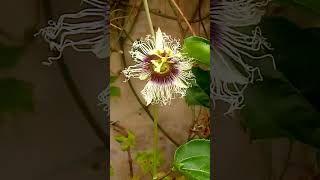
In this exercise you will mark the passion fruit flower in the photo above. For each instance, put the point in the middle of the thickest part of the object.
(158, 60)
(233, 50)
(84, 31)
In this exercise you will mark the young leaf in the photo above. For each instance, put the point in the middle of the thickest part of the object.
(193, 159)
(113, 78)
(145, 160)
(115, 91)
(126, 142)
(111, 171)
(197, 48)
(135, 178)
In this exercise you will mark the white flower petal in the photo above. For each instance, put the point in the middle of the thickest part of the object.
(159, 39)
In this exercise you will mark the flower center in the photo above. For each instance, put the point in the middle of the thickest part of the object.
(161, 65)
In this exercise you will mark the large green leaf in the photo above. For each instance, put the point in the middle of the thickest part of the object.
(203, 79)
(197, 48)
(15, 95)
(193, 159)
(309, 4)
(126, 142)
(199, 93)
(286, 103)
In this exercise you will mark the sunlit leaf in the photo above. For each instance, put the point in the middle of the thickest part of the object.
(111, 171)
(197, 48)
(193, 159)
(115, 91)
(135, 178)
(145, 160)
(126, 141)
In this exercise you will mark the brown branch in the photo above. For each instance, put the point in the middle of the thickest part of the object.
(183, 16)
(124, 132)
(201, 22)
(158, 13)
(166, 175)
(194, 15)
(178, 18)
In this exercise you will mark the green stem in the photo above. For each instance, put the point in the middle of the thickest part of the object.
(146, 7)
(155, 141)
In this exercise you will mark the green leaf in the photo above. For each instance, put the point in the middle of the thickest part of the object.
(193, 159)
(126, 142)
(115, 91)
(9, 56)
(199, 93)
(270, 104)
(197, 48)
(111, 171)
(113, 78)
(313, 5)
(196, 96)
(287, 102)
(203, 79)
(145, 160)
(15, 95)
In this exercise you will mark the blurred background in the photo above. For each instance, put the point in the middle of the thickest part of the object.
(44, 133)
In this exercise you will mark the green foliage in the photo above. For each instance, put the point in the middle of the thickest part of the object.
(196, 96)
(15, 95)
(197, 48)
(111, 171)
(126, 141)
(199, 94)
(313, 5)
(287, 102)
(145, 160)
(161, 174)
(9, 56)
(193, 159)
(203, 79)
(113, 78)
(115, 91)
